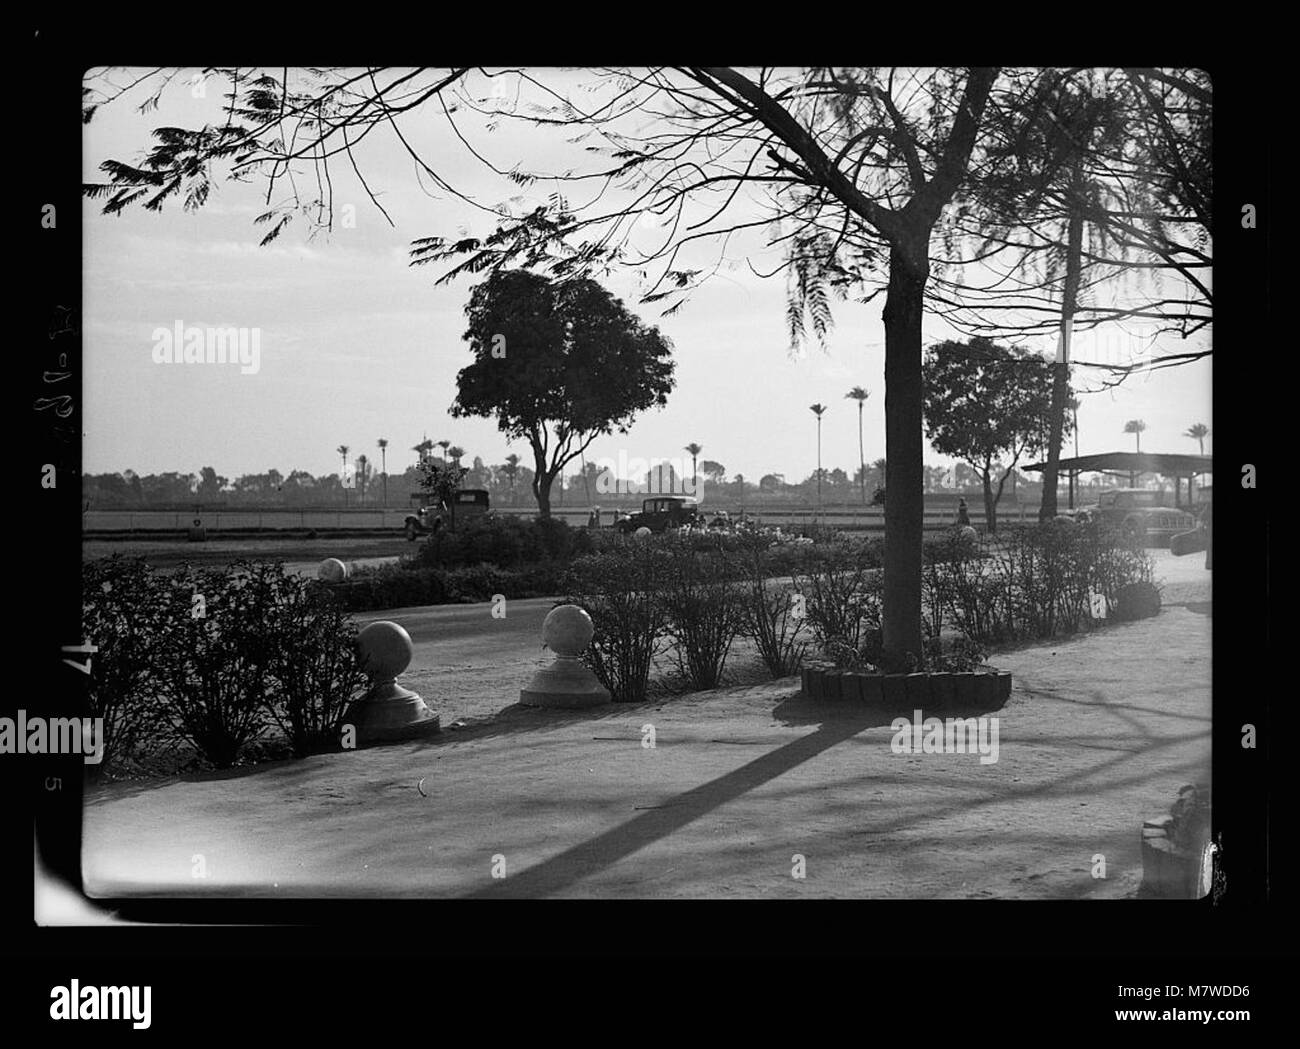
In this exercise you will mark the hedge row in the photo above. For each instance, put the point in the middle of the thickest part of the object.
(213, 658)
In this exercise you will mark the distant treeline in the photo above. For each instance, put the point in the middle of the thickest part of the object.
(508, 485)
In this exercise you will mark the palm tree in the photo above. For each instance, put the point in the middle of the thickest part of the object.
(343, 451)
(444, 445)
(1135, 427)
(383, 465)
(455, 454)
(362, 463)
(1198, 432)
(695, 450)
(860, 395)
(819, 410)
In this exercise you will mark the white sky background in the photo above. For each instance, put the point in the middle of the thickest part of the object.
(356, 344)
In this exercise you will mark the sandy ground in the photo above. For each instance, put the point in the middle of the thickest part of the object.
(1099, 734)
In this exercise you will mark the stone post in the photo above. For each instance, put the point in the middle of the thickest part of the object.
(388, 711)
(566, 683)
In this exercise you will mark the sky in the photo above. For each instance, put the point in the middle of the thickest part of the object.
(355, 344)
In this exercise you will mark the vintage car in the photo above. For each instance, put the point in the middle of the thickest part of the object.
(430, 516)
(663, 512)
(1142, 514)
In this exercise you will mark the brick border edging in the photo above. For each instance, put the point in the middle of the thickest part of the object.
(932, 690)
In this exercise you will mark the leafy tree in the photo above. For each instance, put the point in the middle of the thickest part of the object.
(479, 474)
(578, 365)
(713, 471)
(441, 481)
(168, 488)
(983, 402)
(211, 484)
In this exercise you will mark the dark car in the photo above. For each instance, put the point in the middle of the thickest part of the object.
(1142, 514)
(431, 516)
(663, 512)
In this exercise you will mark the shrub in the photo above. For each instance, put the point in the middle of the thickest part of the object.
(503, 541)
(702, 613)
(768, 619)
(962, 656)
(621, 595)
(120, 617)
(213, 669)
(1137, 601)
(311, 657)
(1034, 581)
(399, 586)
(840, 601)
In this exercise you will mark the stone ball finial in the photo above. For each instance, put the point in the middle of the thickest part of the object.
(567, 631)
(332, 570)
(385, 649)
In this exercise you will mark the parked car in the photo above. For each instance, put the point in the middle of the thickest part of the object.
(1145, 515)
(663, 512)
(430, 516)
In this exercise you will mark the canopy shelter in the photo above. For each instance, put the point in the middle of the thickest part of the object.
(1134, 463)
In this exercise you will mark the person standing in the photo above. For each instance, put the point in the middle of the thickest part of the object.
(963, 514)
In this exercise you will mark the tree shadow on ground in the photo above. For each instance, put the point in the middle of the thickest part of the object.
(562, 870)
(837, 722)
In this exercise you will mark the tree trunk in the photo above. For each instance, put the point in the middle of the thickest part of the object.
(542, 481)
(990, 506)
(1061, 369)
(905, 502)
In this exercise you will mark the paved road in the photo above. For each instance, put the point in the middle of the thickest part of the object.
(468, 634)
